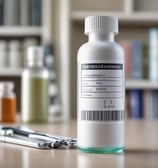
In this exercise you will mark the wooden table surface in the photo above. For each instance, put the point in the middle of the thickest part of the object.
(141, 150)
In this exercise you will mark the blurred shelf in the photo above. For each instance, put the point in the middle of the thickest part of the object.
(134, 17)
(16, 72)
(141, 84)
(20, 31)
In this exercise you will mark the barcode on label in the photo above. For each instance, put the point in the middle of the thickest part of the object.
(115, 115)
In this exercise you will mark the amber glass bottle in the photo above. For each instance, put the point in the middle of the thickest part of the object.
(7, 102)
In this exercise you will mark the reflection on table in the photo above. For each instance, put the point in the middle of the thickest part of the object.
(141, 150)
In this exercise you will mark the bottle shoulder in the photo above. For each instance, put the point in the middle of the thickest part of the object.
(7, 94)
(36, 72)
(100, 50)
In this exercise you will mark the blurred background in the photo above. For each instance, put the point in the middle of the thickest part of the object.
(58, 25)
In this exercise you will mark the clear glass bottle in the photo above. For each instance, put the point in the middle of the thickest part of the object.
(7, 102)
(35, 81)
(101, 88)
(55, 113)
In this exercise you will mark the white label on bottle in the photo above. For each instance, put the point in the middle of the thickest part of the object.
(101, 92)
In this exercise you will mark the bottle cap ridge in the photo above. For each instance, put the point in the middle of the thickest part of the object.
(101, 24)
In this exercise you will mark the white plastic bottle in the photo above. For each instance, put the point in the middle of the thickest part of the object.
(101, 88)
(14, 54)
(3, 54)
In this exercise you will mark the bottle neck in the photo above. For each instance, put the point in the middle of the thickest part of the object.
(93, 36)
(7, 93)
(36, 63)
